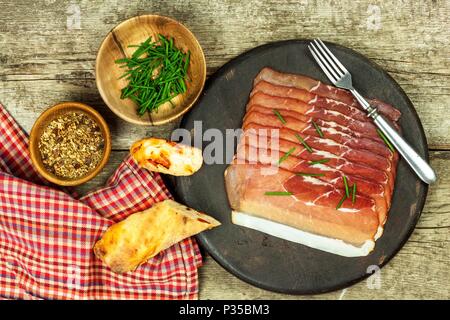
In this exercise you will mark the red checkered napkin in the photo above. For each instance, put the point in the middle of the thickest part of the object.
(46, 235)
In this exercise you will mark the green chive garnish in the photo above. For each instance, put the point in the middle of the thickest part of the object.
(354, 193)
(278, 193)
(156, 73)
(286, 155)
(307, 147)
(319, 161)
(347, 191)
(310, 174)
(319, 132)
(279, 116)
(341, 202)
(386, 141)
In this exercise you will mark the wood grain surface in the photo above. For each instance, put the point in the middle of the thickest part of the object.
(47, 55)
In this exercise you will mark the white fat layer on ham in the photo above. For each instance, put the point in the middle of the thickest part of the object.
(338, 114)
(379, 233)
(315, 87)
(313, 180)
(336, 102)
(326, 154)
(323, 167)
(330, 142)
(313, 100)
(334, 131)
(324, 195)
(333, 124)
(311, 240)
(334, 113)
(348, 210)
(329, 155)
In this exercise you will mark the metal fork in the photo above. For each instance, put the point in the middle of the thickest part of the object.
(341, 78)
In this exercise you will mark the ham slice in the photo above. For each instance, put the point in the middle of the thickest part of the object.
(306, 112)
(309, 98)
(329, 173)
(332, 132)
(321, 149)
(278, 153)
(311, 207)
(318, 88)
(255, 147)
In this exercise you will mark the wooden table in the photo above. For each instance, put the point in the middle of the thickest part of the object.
(47, 55)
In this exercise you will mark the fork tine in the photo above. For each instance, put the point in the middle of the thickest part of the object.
(319, 62)
(335, 74)
(333, 56)
(326, 56)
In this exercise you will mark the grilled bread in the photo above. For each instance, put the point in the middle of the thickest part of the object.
(131, 242)
(167, 157)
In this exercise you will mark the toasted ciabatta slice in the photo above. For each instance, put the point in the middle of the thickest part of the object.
(167, 157)
(141, 236)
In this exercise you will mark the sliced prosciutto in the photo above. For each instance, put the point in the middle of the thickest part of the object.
(321, 148)
(309, 98)
(311, 167)
(339, 135)
(316, 87)
(306, 112)
(311, 207)
(330, 173)
(300, 159)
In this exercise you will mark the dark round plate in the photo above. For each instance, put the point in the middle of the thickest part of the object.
(265, 261)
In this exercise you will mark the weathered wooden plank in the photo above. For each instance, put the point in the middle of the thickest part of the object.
(420, 270)
(407, 39)
(405, 36)
(27, 99)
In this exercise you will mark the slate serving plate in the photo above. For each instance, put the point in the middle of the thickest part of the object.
(265, 261)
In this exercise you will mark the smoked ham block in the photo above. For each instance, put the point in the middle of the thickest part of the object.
(311, 167)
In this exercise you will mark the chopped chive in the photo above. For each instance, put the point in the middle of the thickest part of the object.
(386, 141)
(156, 72)
(354, 193)
(347, 191)
(321, 161)
(286, 155)
(319, 132)
(309, 174)
(341, 202)
(307, 147)
(278, 193)
(279, 116)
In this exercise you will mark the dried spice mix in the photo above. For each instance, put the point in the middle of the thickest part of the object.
(71, 145)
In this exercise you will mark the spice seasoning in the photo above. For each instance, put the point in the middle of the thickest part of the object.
(71, 145)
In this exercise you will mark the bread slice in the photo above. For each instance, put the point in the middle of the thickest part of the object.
(141, 236)
(167, 157)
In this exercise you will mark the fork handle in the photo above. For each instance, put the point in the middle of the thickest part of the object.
(416, 162)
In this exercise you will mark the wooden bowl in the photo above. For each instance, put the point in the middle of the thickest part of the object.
(115, 46)
(42, 122)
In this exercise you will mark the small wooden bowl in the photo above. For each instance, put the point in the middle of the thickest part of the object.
(42, 122)
(115, 46)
